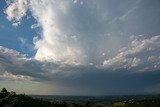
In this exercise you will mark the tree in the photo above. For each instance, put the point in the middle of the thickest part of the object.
(4, 91)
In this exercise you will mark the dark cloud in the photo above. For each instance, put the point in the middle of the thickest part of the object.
(88, 47)
(82, 80)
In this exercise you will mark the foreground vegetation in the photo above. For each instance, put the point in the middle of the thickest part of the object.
(11, 99)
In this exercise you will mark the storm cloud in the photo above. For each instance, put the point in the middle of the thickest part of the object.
(87, 47)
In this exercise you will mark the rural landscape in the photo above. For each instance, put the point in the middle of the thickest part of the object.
(11, 99)
(80, 53)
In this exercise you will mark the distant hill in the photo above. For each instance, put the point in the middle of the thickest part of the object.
(11, 99)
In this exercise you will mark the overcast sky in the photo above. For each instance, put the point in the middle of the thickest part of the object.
(80, 47)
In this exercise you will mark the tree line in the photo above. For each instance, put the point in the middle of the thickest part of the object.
(11, 99)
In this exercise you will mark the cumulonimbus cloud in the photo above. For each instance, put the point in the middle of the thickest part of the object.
(56, 45)
(53, 44)
(81, 47)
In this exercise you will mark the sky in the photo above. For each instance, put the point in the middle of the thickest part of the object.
(80, 47)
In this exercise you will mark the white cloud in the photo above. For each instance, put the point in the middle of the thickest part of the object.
(54, 45)
(65, 78)
(16, 11)
(14, 56)
(58, 46)
(72, 44)
(25, 44)
(75, 1)
(14, 65)
(18, 65)
(78, 1)
(127, 55)
(35, 26)
(152, 58)
(9, 76)
(15, 24)
(135, 62)
(154, 62)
